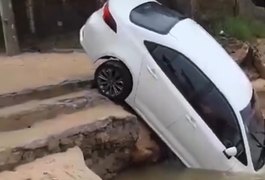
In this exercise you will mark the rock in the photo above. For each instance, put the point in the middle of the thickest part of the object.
(240, 54)
(251, 72)
(259, 85)
(259, 53)
(239, 50)
(16, 156)
(62, 166)
(147, 149)
(28, 156)
(251, 58)
(53, 145)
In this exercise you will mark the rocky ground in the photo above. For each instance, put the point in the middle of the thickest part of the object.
(250, 56)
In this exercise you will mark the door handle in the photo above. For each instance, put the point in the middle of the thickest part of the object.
(191, 121)
(152, 72)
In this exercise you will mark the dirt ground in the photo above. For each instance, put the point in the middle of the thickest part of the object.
(62, 166)
(31, 70)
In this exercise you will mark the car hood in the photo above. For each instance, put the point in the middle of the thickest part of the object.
(203, 50)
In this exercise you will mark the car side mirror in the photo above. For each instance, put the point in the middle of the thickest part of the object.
(230, 152)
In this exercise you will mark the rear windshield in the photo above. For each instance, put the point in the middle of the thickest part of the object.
(155, 17)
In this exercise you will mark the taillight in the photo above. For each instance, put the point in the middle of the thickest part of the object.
(108, 18)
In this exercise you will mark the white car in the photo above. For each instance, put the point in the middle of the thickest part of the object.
(180, 81)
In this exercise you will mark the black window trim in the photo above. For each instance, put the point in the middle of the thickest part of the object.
(212, 84)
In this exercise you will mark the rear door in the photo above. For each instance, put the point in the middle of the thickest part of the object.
(200, 123)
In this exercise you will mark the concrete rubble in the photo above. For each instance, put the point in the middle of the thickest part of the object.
(57, 111)
(69, 165)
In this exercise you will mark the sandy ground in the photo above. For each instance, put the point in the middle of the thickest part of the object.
(60, 125)
(31, 70)
(62, 166)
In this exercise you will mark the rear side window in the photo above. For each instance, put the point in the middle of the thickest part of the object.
(155, 17)
(202, 94)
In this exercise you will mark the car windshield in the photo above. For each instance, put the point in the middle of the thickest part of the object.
(155, 17)
(255, 130)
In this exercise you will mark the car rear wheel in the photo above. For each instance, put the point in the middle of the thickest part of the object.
(114, 80)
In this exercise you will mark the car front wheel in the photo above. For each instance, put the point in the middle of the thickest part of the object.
(114, 80)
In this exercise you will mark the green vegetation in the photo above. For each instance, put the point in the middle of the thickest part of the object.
(243, 29)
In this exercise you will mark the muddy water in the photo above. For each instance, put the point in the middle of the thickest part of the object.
(171, 171)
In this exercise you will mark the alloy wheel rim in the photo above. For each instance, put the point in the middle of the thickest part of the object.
(110, 82)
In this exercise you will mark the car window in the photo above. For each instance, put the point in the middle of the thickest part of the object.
(255, 127)
(155, 17)
(202, 94)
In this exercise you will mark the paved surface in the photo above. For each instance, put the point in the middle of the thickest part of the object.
(31, 70)
(62, 166)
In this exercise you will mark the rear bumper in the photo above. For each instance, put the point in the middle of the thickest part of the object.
(96, 37)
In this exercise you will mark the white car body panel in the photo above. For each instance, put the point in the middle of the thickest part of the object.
(210, 61)
(173, 122)
(156, 99)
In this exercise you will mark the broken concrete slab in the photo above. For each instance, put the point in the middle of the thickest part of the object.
(106, 134)
(42, 92)
(26, 114)
(69, 165)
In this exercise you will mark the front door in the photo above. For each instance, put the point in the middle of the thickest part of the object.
(157, 101)
(187, 110)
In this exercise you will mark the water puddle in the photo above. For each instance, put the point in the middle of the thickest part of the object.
(172, 171)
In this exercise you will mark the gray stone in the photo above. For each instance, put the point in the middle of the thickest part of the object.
(28, 156)
(259, 53)
(53, 145)
(66, 141)
(15, 157)
(78, 141)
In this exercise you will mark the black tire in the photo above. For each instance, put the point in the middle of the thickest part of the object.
(114, 80)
